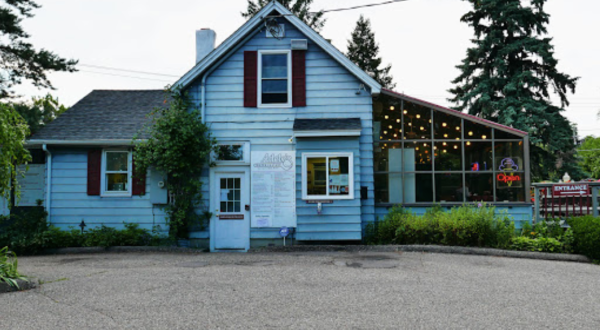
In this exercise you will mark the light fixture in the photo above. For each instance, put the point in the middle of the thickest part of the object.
(398, 121)
(458, 128)
(445, 135)
(395, 135)
(444, 143)
(384, 132)
(470, 133)
(484, 137)
(444, 124)
(455, 147)
(422, 128)
(385, 144)
(424, 144)
(418, 116)
(400, 131)
(387, 117)
(405, 112)
(409, 124)
(434, 147)
(381, 137)
(392, 108)
(444, 150)
(457, 139)
(390, 127)
(430, 121)
(468, 143)
(422, 137)
(417, 148)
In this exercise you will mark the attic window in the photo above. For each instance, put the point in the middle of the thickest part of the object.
(274, 78)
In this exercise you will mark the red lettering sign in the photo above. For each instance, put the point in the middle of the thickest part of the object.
(508, 178)
(571, 189)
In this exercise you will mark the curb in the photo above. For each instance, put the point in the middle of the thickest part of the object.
(121, 249)
(429, 249)
(23, 285)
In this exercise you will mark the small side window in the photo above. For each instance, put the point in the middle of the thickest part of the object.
(116, 173)
(232, 153)
(274, 78)
(327, 176)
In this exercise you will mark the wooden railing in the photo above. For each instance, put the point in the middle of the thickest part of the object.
(558, 200)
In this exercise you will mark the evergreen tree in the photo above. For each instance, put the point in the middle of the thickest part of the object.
(18, 59)
(363, 51)
(39, 112)
(300, 8)
(506, 78)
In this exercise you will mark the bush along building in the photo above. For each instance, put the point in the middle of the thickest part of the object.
(307, 140)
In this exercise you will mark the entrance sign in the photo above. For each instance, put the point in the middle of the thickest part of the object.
(32, 185)
(273, 189)
(572, 189)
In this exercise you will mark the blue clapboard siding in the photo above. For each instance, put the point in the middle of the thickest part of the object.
(70, 203)
(519, 214)
(331, 93)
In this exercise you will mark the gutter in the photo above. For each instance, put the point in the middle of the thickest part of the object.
(48, 180)
(83, 142)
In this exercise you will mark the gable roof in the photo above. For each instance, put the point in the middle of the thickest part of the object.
(102, 115)
(250, 27)
(455, 113)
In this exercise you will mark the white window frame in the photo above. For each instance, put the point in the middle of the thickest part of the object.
(289, 78)
(104, 192)
(327, 155)
(244, 161)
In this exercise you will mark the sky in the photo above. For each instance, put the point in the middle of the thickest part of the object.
(423, 40)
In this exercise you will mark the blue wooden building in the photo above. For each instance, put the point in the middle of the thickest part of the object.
(309, 141)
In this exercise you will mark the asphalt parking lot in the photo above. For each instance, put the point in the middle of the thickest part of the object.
(319, 290)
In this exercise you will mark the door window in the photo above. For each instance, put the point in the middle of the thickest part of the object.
(230, 195)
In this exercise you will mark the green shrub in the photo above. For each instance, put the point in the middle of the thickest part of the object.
(57, 238)
(8, 268)
(23, 232)
(586, 233)
(541, 244)
(461, 226)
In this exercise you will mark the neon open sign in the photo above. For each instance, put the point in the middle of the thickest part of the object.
(508, 166)
(508, 178)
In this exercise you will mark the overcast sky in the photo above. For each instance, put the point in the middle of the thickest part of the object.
(422, 39)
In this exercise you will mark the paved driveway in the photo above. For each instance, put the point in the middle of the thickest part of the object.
(303, 291)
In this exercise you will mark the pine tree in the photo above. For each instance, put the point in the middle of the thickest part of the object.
(363, 51)
(18, 59)
(506, 78)
(300, 8)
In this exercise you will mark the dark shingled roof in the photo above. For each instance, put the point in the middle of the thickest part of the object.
(104, 115)
(327, 124)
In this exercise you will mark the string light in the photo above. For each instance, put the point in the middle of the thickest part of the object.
(444, 124)
(405, 112)
(387, 117)
(418, 116)
(458, 128)
(484, 137)
(392, 108)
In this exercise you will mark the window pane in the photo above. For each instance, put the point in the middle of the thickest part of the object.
(418, 188)
(509, 156)
(116, 182)
(388, 188)
(388, 157)
(448, 187)
(230, 152)
(274, 86)
(117, 161)
(513, 194)
(339, 179)
(274, 98)
(479, 187)
(387, 112)
(478, 156)
(448, 156)
(316, 176)
(499, 135)
(274, 66)
(445, 126)
(417, 156)
(417, 121)
(477, 131)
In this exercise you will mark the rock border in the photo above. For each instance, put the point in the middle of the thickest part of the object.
(23, 285)
(429, 249)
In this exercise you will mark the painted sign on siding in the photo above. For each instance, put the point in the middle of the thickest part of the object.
(32, 185)
(273, 190)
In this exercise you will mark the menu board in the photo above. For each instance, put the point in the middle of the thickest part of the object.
(273, 189)
(32, 185)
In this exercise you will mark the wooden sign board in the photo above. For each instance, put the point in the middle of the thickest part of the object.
(231, 217)
(570, 189)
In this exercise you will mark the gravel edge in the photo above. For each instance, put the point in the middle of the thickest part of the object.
(121, 249)
(429, 249)
(23, 285)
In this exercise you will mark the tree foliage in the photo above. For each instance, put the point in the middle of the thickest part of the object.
(13, 132)
(18, 58)
(300, 8)
(589, 151)
(39, 112)
(363, 51)
(509, 75)
(179, 145)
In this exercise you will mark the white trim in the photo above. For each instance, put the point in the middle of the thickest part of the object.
(318, 133)
(244, 161)
(128, 193)
(254, 23)
(327, 155)
(85, 142)
(289, 78)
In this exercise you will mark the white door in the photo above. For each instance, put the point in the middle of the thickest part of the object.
(231, 205)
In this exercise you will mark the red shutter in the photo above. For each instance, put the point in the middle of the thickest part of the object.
(299, 78)
(250, 79)
(139, 183)
(94, 172)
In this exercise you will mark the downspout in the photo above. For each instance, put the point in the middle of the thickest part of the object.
(48, 179)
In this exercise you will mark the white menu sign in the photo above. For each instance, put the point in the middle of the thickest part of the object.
(32, 185)
(273, 190)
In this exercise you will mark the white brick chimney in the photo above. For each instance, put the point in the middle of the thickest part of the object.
(205, 43)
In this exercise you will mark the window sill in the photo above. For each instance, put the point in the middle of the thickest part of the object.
(109, 195)
(324, 198)
(273, 106)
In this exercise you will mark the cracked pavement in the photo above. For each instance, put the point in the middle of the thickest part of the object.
(320, 290)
